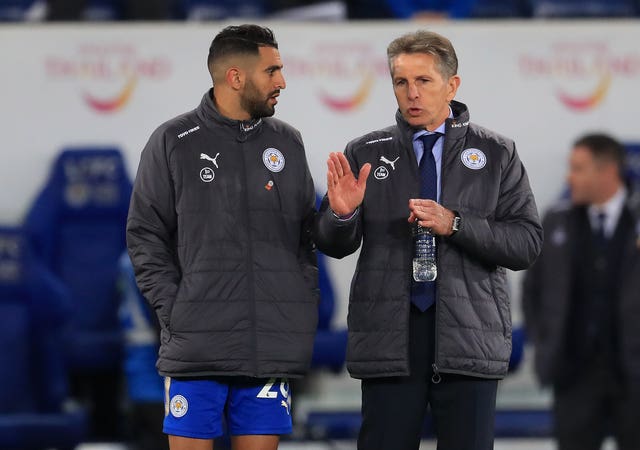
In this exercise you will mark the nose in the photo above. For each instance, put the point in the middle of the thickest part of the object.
(280, 83)
(412, 92)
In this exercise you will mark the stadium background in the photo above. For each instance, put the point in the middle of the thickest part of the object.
(542, 83)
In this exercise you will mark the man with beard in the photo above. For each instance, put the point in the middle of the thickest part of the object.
(219, 236)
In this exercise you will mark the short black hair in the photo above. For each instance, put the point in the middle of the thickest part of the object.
(604, 148)
(239, 40)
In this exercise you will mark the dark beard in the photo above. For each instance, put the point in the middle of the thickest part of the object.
(252, 102)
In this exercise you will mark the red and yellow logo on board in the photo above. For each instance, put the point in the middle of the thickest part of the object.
(350, 101)
(112, 103)
(589, 100)
(582, 72)
(106, 75)
(343, 74)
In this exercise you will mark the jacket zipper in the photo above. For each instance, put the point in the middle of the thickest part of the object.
(435, 377)
(250, 277)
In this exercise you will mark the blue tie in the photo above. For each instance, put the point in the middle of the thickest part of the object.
(423, 294)
(427, 167)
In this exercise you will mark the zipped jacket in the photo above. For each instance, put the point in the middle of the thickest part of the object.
(219, 236)
(482, 179)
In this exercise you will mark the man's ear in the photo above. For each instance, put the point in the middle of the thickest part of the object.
(454, 84)
(235, 77)
(611, 169)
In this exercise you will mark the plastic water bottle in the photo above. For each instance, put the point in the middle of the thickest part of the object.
(424, 258)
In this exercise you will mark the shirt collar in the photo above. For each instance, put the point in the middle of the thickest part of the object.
(612, 208)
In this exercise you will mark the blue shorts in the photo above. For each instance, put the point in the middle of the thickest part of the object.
(196, 408)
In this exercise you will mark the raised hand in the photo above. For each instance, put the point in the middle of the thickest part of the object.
(345, 192)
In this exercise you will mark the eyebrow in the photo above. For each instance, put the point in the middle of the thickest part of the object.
(398, 77)
(273, 68)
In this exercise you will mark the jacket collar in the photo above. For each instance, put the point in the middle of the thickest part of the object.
(458, 125)
(212, 118)
(632, 204)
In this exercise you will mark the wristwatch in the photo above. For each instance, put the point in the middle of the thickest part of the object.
(457, 222)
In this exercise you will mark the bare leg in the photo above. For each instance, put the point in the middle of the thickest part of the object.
(254, 442)
(184, 443)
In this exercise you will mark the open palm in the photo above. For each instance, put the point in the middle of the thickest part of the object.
(344, 190)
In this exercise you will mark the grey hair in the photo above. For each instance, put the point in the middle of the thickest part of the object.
(429, 43)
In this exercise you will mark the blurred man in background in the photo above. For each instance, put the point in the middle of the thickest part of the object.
(219, 234)
(582, 302)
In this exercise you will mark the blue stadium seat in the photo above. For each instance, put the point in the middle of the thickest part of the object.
(222, 9)
(102, 10)
(518, 339)
(14, 10)
(139, 325)
(583, 8)
(633, 164)
(77, 226)
(35, 307)
(500, 9)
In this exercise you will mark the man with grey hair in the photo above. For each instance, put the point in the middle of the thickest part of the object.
(452, 200)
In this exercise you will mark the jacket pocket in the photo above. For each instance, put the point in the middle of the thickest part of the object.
(165, 335)
(500, 295)
(167, 327)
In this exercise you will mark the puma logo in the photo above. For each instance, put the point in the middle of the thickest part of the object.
(209, 158)
(391, 163)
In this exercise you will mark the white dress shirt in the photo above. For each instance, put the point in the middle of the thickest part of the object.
(612, 209)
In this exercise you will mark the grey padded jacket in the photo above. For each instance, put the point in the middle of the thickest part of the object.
(219, 233)
(483, 180)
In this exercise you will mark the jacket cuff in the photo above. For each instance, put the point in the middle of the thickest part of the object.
(347, 217)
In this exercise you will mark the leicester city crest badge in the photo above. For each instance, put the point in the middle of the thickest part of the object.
(273, 159)
(179, 406)
(473, 158)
